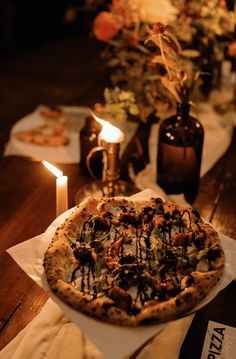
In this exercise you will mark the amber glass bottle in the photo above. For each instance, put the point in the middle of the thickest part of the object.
(88, 140)
(180, 153)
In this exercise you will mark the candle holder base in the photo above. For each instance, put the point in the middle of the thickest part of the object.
(120, 189)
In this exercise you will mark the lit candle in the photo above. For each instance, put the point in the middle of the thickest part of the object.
(110, 133)
(110, 138)
(61, 188)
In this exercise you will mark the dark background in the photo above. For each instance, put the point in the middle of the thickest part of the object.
(48, 56)
(25, 23)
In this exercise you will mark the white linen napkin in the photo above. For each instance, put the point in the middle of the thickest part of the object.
(52, 336)
(74, 117)
(218, 131)
(113, 341)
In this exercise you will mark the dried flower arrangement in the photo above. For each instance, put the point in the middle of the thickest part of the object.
(178, 74)
(206, 25)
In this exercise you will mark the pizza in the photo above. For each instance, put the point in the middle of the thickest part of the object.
(52, 133)
(133, 262)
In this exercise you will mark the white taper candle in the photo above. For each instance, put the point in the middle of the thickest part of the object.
(61, 194)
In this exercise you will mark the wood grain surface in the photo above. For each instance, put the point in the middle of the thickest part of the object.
(70, 71)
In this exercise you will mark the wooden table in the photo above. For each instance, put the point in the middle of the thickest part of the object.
(64, 72)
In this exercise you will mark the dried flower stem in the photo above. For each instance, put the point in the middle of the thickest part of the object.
(143, 49)
(164, 58)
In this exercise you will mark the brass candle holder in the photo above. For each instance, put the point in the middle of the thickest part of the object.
(110, 185)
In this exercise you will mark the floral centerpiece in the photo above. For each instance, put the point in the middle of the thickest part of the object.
(210, 27)
(118, 105)
(206, 26)
(123, 28)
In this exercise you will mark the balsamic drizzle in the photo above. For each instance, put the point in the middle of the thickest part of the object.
(129, 270)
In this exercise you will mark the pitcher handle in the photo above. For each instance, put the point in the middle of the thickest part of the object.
(88, 159)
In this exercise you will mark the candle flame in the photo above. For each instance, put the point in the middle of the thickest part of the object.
(110, 133)
(53, 169)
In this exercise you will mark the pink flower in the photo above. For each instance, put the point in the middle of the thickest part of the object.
(105, 26)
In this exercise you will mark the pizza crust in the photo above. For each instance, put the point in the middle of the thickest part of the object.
(186, 300)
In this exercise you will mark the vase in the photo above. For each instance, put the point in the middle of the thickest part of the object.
(179, 153)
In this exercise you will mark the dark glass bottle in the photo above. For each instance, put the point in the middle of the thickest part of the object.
(88, 140)
(180, 153)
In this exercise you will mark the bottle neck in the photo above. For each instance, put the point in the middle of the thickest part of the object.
(183, 110)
